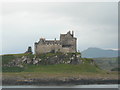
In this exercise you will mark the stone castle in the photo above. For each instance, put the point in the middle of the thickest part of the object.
(66, 44)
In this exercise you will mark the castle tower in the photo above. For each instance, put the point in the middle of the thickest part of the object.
(66, 44)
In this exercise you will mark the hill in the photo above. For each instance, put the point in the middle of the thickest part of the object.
(53, 61)
(20, 69)
(110, 64)
(97, 52)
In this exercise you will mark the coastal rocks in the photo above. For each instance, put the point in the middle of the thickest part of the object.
(45, 59)
(56, 81)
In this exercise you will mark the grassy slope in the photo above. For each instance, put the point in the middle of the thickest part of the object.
(9, 57)
(59, 70)
(107, 63)
(62, 68)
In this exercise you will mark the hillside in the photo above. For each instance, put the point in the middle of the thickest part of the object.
(109, 64)
(65, 62)
(97, 52)
(21, 69)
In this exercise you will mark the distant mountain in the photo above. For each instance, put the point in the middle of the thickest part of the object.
(97, 52)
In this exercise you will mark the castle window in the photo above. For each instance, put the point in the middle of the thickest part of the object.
(66, 45)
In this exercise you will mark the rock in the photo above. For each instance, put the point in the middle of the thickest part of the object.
(35, 62)
(28, 60)
(61, 58)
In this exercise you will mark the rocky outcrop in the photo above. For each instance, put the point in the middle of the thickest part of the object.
(49, 58)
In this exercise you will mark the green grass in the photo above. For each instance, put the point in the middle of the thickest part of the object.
(62, 68)
(107, 63)
(7, 58)
(12, 69)
(58, 71)
(58, 68)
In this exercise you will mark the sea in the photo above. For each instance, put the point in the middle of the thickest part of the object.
(68, 86)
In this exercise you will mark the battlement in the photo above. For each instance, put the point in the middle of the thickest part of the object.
(67, 43)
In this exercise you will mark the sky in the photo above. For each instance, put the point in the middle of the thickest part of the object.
(95, 24)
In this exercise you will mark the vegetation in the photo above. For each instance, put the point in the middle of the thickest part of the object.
(115, 69)
(62, 68)
(12, 69)
(88, 68)
(84, 67)
(58, 71)
(7, 58)
(107, 63)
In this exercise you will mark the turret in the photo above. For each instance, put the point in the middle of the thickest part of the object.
(29, 50)
(73, 33)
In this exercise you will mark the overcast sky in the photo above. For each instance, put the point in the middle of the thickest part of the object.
(94, 24)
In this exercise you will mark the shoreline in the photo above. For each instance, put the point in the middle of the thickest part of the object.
(46, 79)
(65, 86)
(52, 82)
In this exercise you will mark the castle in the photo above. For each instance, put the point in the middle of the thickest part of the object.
(66, 44)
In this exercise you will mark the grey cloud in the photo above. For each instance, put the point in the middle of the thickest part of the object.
(95, 24)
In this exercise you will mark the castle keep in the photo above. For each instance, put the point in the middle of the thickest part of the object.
(66, 44)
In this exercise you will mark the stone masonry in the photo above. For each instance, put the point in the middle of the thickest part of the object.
(66, 44)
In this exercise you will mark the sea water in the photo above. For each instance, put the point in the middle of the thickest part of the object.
(74, 86)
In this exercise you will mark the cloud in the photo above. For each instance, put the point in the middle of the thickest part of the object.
(95, 24)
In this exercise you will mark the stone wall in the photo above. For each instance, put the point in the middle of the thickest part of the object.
(66, 44)
(68, 41)
(44, 48)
